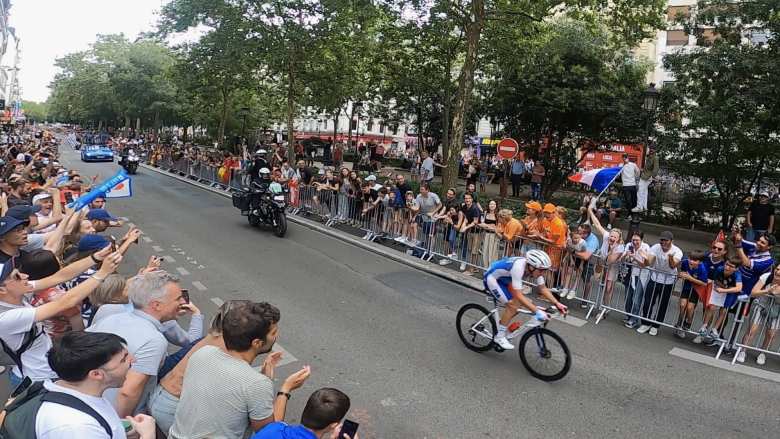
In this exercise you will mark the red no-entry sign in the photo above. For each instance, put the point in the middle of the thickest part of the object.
(508, 148)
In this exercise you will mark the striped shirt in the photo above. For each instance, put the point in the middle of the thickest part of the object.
(760, 263)
(219, 396)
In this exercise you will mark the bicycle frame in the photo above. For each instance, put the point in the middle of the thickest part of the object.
(531, 323)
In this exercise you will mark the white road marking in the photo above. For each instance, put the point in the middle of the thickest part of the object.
(287, 357)
(147, 239)
(157, 248)
(199, 286)
(182, 271)
(169, 259)
(570, 320)
(217, 301)
(726, 365)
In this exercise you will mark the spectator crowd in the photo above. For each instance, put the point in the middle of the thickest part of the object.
(86, 339)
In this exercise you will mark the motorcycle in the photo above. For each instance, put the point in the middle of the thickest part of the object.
(130, 163)
(263, 206)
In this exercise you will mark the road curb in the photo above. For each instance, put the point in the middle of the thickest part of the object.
(455, 277)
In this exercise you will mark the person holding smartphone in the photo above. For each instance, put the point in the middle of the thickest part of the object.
(322, 417)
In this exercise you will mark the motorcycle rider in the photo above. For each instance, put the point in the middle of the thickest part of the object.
(259, 163)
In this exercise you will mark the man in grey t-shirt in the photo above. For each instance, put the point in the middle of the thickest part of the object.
(429, 203)
(222, 395)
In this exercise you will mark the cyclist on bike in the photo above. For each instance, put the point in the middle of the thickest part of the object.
(504, 279)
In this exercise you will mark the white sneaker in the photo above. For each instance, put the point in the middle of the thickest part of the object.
(398, 239)
(410, 252)
(463, 268)
(571, 294)
(503, 342)
(653, 331)
(452, 256)
(761, 360)
(741, 356)
(636, 210)
(445, 261)
(642, 329)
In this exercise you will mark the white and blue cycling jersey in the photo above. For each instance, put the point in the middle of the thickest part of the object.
(506, 273)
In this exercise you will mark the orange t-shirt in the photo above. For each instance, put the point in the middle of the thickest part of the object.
(510, 230)
(557, 229)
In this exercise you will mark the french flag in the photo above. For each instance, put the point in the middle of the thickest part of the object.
(598, 179)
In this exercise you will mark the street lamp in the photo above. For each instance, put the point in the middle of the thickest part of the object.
(649, 105)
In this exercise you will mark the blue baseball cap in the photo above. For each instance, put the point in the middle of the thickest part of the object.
(93, 242)
(100, 214)
(23, 211)
(8, 223)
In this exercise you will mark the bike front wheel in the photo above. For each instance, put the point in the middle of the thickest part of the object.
(544, 354)
(476, 327)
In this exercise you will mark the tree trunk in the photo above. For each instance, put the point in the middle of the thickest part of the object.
(290, 115)
(446, 151)
(223, 118)
(336, 126)
(465, 86)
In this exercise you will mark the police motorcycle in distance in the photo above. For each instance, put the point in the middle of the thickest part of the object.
(130, 161)
(263, 203)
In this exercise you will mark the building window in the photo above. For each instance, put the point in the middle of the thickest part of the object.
(353, 124)
(607, 157)
(708, 36)
(676, 38)
(370, 125)
(382, 126)
(590, 155)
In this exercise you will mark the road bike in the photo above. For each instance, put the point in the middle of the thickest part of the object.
(543, 352)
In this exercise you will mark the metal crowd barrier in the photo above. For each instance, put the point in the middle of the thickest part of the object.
(640, 294)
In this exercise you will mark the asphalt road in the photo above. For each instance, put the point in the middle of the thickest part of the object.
(384, 333)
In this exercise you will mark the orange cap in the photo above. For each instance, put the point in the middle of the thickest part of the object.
(534, 205)
(549, 208)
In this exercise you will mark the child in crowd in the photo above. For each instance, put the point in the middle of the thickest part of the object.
(695, 275)
(727, 280)
(572, 269)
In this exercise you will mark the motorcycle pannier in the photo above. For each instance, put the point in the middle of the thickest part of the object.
(241, 200)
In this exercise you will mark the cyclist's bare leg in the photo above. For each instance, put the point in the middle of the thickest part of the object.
(510, 310)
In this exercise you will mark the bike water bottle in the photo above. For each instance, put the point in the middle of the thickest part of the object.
(513, 327)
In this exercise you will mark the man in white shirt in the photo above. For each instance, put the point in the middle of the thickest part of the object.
(629, 178)
(663, 260)
(156, 297)
(88, 364)
(21, 327)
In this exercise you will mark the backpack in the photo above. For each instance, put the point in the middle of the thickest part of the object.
(18, 418)
(10, 357)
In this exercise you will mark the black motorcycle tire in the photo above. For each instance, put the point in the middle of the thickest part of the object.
(281, 224)
(254, 221)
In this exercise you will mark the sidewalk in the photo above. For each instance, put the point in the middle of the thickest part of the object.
(686, 239)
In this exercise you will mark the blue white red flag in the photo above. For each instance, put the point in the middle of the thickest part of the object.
(598, 179)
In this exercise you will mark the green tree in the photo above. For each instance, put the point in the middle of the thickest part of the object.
(38, 111)
(722, 113)
(570, 89)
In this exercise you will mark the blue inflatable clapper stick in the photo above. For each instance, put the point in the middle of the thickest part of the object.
(106, 186)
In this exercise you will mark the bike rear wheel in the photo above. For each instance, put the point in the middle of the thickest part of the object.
(544, 354)
(478, 338)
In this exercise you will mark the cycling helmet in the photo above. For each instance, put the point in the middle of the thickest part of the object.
(538, 259)
(264, 172)
(261, 151)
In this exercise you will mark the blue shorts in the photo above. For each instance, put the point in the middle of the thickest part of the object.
(500, 288)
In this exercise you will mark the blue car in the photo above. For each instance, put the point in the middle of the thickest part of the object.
(96, 153)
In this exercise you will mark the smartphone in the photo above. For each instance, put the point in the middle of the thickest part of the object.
(185, 294)
(68, 197)
(127, 425)
(26, 382)
(113, 243)
(349, 428)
